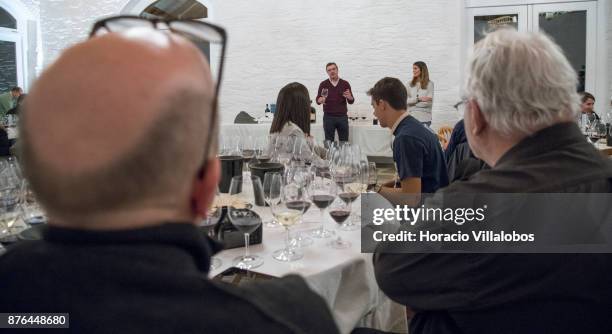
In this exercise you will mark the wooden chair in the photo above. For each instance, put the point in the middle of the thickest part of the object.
(443, 141)
(444, 134)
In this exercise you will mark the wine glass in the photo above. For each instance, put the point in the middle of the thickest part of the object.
(340, 210)
(322, 193)
(324, 92)
(284, 150)
(372, 176)
(350, 191)
(302, 176)
(231, 146)
(246, 221)
(262, 150)
(288, 212)
(272, 191)
(248, 151)
(11, 195)
(302, 151)
(209, 226)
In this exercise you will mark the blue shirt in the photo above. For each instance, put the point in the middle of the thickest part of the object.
(417, 153)
(457, 137)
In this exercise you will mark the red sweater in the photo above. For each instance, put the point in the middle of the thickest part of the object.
(335, 104)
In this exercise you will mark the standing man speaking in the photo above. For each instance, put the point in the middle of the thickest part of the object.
(334, 93)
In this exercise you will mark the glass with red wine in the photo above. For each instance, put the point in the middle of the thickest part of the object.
(322, 192)
(340, 211)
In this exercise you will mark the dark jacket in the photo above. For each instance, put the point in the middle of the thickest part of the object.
(150, 280)
(513, 293)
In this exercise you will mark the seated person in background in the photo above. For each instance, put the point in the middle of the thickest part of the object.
(532, 145)
(17, 108)
(122, 252)
(417, 152)
(5, 143)
(586, 107)
(8, 100)
(292, 120)
(460, 161)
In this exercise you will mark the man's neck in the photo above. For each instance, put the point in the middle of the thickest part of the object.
(334, 82)
(397, 117)
(498, 148)
(121, 220)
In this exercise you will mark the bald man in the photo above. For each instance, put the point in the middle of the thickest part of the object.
(113, 146)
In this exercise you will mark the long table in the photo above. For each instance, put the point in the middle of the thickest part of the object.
(344, 278)
(372, 139)
(604, 148)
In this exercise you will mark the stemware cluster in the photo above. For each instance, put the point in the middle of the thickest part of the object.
(18, 207)
(330, 177)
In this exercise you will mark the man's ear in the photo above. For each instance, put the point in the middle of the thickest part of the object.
(477, 119)
(204, 187)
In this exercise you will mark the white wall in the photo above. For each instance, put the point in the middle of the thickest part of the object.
(609, 50)
(272, 43)
(65, 22)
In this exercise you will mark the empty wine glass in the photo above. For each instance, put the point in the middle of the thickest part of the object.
(372, 176)
(248, 151)
(288, 212)
(10, 206)
(272, 192)
(322, 193)
(340, 210)
(231, 146)
(246, 221)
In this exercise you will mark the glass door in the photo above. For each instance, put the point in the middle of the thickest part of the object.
(486, 19)
(573, 27)
(10, 62)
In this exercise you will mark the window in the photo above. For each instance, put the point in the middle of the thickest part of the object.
(571, 25)
(7, 20)
(9, 51)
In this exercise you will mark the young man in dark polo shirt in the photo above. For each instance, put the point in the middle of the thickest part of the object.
(334, 104)
(417, 153)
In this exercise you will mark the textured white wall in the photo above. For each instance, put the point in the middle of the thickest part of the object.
(609, 45)
(33, 6)
(272, 43)
(65, 22)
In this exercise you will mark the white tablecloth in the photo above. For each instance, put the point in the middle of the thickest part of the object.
(345, 278)
(372, 139)
(12, 132)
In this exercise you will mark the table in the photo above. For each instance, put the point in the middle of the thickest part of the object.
(604, 148)
(344, 278)
(372, 139)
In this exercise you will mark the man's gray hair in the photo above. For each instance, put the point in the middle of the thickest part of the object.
(522, 82)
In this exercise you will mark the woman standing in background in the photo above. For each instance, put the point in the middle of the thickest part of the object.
(420, 93)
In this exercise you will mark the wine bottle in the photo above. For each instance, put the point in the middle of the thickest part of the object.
(267, 112)
(313, 115)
